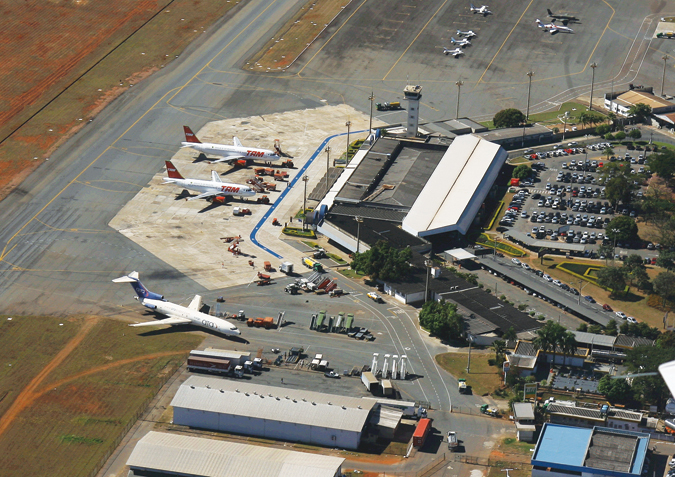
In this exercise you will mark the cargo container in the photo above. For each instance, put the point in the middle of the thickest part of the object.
(287, 268)
(235, 357)
(421, 432)
(210, 365)
(369, 381)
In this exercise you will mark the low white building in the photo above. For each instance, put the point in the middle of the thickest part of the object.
(271, 412)
(160, 453)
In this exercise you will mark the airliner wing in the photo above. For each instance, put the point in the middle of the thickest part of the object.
(205, 195)
(237, 142)
(166, 321)
(196, 303)
(215, 177)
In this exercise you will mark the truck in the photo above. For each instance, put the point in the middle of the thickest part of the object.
(393, 106)
(286, 267)
(267, 322)
(452, 441)
(292, 289)
(312, 264)
(209, 365)
(239, 371)
(463, 389)
(490, 411)
(421, 432)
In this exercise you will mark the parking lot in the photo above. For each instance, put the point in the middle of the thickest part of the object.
(565, 197)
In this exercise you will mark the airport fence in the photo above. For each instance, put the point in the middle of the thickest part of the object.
(513, 461)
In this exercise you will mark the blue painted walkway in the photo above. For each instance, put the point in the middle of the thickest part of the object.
(298, 177)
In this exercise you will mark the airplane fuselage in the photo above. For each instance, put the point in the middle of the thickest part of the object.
(223, 150)
(196, 317)
(203, 186)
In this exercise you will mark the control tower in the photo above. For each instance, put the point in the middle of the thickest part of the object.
(413, 94)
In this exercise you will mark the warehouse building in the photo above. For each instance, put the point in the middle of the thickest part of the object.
(160, 454)
(271, 412)
(564, 451)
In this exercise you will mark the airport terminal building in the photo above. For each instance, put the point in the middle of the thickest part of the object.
(410, 192)
(271, 412)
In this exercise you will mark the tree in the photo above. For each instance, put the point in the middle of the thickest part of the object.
(646, 359)
(602, 129)
(620, 136)
(662, 163)
(609, 137)
(523, 171)
(640, 111)
(619, 189)
(634, 269)
(666, 340)
(499, 347)
(442, 320)
(611, 329)
(664, 286)
(615, 390)
(568, 345)
(611, 117)
(606, 250)
(582, 327)
(608, 152)
(639, 330)
(612, 278)
(635, 134)
(383, 262)
(549, 336)
(626, 229)
(510, 334)
(666, 259)
(508, 118)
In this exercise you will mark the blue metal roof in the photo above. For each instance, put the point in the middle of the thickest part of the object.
(563, 445)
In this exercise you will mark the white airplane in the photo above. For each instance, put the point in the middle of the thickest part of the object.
(553, 28)
(177, 315)
(483, 10)
(232, 154)
(467, 34)
(215, 189)
(456, 52)
(461, 42)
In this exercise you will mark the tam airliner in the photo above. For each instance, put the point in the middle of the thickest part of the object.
(215, 189)
(235, 154)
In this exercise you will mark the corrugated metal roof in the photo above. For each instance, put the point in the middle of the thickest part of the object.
(625, 415)
(630, 342)
(583, 337)
(523, 410)
(214, 458)
(457, 187)
(593, 414)
(385, 417)
(273, 403)
(635, 97)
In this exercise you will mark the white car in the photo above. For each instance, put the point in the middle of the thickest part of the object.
(631, 320)
(547, 278)
(557, 283)
(620, 314)
(525, 266)
(515, 261)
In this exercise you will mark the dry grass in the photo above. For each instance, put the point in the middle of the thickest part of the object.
(43, 61)
(296, 35)
(483, 378)
(82, 409)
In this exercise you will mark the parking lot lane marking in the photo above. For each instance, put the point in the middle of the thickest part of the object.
(502, 46)
(415, 39)
(331, 37)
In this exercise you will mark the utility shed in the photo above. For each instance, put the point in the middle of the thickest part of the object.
(160, 453)
(271, 412)
(455, 192)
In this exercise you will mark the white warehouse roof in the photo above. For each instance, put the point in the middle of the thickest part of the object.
(273, 403)
(455, 191)
(187, 455)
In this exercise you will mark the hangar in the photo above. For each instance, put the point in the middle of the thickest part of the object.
(271, 412)
(408, 191)
(159, 453)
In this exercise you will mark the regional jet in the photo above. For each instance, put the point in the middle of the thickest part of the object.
(177, 315)
(561, 16)
(215, 189)
(467, 34)
(483, 10)
(462, 42)
(235, 154)
(553, 28)
(456, 52)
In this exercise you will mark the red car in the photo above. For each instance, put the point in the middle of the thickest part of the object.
(606, 307)
(653, 260)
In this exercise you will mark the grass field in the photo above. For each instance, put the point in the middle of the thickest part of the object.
(73, 416)
(54, 82)
(550, 118)
(483, 378)
(296, 35)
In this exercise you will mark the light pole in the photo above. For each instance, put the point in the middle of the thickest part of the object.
(590, 102)
(614, 231)
(530, 74)
(663, 78)
(349, 125)
(468, 364)
(459, 90)
(304, 201)
(428, 264)
(564, 125)
(327, 166)
(370, 124)
(358, 232)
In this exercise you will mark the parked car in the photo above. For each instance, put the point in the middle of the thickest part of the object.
(589, 299)
(606, 307)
